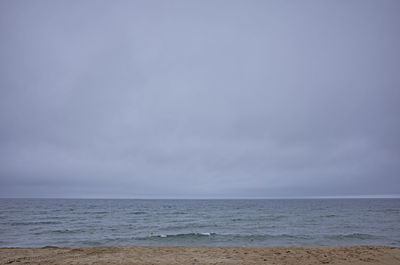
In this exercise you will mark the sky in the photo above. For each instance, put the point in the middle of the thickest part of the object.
(199, 99)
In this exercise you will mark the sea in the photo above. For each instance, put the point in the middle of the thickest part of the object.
(261, 222)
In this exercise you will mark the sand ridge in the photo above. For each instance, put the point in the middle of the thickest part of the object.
(202, 255)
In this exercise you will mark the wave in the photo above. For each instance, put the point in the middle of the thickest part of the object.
(185, 226)
(177, 236)
(99, 212)
(247, 237)
(263, 237)
(261, 219)
(35, 223)
(59, 231)
(179, 212)
(138, 213)
(66, 231)
(353, 236)
(329, 216)
(187, 235)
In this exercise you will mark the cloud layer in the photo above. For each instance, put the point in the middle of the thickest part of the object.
(199, 98)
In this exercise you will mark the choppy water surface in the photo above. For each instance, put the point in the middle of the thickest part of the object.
(77, 223)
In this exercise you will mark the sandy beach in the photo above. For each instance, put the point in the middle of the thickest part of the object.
(202, 255)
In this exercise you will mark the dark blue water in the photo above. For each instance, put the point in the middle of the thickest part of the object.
(77, 223)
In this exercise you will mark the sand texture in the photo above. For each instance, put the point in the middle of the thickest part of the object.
(202, 255)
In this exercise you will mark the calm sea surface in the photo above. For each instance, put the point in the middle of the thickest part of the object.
(78, 223)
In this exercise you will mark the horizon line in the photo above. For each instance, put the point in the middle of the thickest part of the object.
(391, 196)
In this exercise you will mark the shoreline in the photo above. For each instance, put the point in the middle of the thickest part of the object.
(203, 255)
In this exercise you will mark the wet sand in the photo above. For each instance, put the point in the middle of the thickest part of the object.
(202, 255)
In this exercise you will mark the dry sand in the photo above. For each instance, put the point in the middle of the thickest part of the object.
(202, 255)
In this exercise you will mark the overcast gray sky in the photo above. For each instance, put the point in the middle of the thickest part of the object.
(199, 99)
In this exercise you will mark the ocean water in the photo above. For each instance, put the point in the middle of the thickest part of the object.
(84, 223)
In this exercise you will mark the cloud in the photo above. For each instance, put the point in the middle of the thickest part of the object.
(210, 99)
